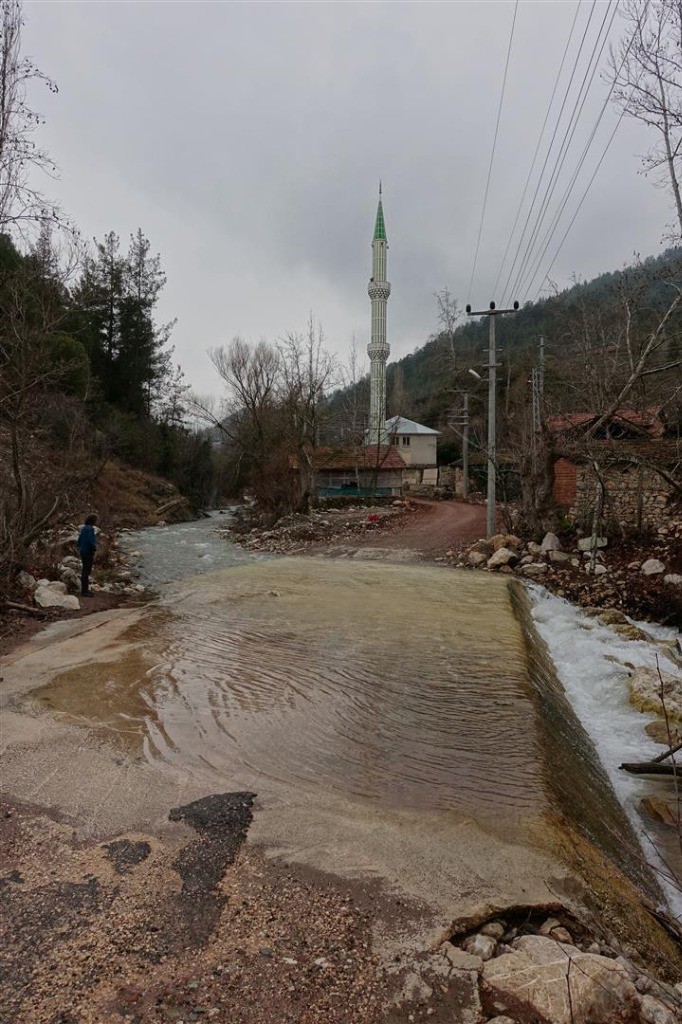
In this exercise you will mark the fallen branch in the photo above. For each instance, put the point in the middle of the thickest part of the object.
(16, 606)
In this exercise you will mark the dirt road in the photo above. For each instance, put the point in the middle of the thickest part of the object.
(439, 526)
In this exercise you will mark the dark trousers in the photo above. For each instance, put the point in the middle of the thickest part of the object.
(87, 561)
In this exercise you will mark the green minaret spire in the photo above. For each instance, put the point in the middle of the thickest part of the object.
(380, 227)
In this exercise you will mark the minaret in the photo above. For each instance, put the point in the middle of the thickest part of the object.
(378, 351)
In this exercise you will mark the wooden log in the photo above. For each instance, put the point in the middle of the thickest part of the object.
(651, 768)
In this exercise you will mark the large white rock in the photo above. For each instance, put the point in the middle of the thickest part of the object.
(536, 977)
(645, 691)
(50, 597)
(537, 569)
(550, 542)
(673, 579)
(503, 556)
(653, 567)
(585, 543)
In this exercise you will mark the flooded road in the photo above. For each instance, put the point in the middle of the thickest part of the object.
(396, 721)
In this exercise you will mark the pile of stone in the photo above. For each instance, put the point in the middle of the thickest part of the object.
(296, 532)
(112, 576)
(507, 553)
(552, 973)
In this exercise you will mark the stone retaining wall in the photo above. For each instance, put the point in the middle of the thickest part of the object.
(635, 495)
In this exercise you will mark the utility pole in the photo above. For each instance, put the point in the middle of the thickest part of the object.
(492, 312)
(465, 446)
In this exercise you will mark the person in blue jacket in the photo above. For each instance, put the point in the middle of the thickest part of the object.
(87, 546)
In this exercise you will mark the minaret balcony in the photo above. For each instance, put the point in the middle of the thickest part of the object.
(379, 290)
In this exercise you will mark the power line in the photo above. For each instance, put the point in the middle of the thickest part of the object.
(560, 161)
(549, 148)
(577, 211)
(537, 147)
(492, 154)
(582, 160)
(578, 106)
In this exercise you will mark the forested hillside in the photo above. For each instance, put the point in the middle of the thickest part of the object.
(594, 333)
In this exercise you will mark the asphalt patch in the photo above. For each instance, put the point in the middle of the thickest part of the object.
(125, 854)
(222, 821)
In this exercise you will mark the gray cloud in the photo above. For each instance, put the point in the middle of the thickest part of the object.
(247, 141)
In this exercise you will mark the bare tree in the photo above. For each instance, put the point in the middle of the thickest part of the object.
(308, 372)
(647, 71)
(22, 205)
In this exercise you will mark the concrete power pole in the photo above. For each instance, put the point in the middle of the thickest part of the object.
(465, 446)
(492, 405)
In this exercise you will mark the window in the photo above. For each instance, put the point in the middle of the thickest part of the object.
(406, 442)
(395, 440)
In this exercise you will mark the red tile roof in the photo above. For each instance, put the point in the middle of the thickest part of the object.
(649, 422)
(383, 456)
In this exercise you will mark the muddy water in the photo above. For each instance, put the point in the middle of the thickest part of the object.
(401, 687)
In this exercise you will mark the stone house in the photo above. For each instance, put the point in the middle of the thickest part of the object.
(630, 455)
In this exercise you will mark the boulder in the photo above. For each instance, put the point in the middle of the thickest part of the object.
(476, 558)
(527, 560)
(653, 1011)
(585, 543)
(483, 546)
(48, 597)
(493, 928)
(26, 582)
(503, 556)
(660, 810)
(534, 980)
(597, 570)
(460, 960)
(535, 570)
(534, 548)
(71, 562)
(558, 556)
(550, 542)
(71, 578)
(673, 579)
(652, 567)
(480, 945)
(658, 732)
(56, 585)
(645, 692)
(612, 617)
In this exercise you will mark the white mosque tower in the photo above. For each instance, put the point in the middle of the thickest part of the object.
(378, 351)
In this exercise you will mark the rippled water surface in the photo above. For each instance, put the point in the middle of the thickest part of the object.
(403, 685)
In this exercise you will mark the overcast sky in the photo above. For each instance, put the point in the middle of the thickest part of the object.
(247, 141)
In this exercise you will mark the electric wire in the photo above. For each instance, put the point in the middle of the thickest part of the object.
(569, 134)
(582, 200)
(537, 147)
(594, 173)
(549, 148)
(492, 154)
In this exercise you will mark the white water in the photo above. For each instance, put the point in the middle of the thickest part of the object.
(591, 661)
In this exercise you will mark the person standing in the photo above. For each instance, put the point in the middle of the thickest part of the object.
(87, 546)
